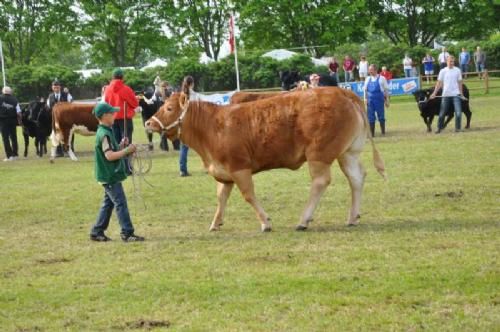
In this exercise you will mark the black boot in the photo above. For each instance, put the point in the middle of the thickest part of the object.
(382, 128)
(372, 129)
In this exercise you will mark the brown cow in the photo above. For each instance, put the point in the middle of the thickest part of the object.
(70, 118)
(243, 97)
(235, 141)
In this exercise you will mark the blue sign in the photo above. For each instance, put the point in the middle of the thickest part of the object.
(397, 87)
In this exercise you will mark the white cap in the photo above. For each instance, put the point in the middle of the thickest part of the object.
(7, 90)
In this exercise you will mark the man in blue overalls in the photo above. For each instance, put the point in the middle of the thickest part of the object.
(377, 97)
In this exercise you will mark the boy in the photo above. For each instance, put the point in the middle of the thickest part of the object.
(110, 172)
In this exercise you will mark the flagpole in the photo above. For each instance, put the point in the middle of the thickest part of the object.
(235, 55)
(3, 61)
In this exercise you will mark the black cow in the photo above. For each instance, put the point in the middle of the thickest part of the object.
(430, 107)
(290, 79)
(37, 123)
(149, 107)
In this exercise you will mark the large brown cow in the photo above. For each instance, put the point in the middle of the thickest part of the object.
(243, 97)
(70, 118)
(236, 141)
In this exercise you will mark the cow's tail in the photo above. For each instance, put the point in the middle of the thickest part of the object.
(53, 137)
(378, 162)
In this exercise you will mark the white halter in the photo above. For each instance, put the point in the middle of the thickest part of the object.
(176, 123)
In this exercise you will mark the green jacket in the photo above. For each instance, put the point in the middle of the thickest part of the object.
(106, 171)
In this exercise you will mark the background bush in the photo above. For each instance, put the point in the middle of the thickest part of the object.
(256, 71)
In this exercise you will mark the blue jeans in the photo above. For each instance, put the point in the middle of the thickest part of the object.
(114, 197)
(407, 72)
(335, 75)
(183, 158)
(464, 68)
(348, 76)
(457, 104)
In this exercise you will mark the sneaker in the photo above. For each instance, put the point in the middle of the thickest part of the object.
(184, 174)
(438, 131)
(13, 158)
(132, 238)
(7, 159)
(99, 238)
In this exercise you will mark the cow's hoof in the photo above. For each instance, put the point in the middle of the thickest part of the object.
(266, 228)
(214, 228)
(353, 224)
(301, 228)
(51, 161)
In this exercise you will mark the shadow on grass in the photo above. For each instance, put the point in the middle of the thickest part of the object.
(410, 226)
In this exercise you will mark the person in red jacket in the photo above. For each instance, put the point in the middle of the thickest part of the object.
(118, 94)
(386, 73)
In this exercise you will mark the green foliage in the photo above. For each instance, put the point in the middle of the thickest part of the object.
(267, 24)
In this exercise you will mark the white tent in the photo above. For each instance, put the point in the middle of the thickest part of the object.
(155, 63)
(281, 54)
(86, 73)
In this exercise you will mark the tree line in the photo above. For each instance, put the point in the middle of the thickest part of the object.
(97, 33)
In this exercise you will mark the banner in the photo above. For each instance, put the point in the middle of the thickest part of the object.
(216, 98)
(397, 86)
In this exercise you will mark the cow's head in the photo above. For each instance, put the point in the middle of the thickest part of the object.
(422, 97)
(289, 79)
(169, 117)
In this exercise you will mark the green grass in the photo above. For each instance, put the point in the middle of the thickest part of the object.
(424, 258)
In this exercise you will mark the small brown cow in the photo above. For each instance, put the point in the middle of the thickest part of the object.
(70, 118)
(243, 97)
(316, 126)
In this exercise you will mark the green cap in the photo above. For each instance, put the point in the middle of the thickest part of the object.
(102, 108)
(117, 72)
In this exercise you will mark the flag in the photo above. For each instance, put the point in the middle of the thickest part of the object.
(231, 34)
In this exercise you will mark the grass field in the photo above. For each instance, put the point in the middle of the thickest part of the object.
(425, 257)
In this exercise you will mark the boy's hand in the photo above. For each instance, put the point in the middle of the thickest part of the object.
(124, 142)
(131, 148)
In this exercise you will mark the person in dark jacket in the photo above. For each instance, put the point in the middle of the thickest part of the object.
(10, 116)
(58, 95)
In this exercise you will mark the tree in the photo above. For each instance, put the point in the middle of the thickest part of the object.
(35, 29)
(420, 21)
(202, 22)
(124, 32)
(266, 24)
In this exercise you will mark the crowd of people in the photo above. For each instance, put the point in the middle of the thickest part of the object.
(349, 66)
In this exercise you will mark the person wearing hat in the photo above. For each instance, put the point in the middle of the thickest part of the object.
(118, 94)
(110, 172)
(58, 95)
(10, 116)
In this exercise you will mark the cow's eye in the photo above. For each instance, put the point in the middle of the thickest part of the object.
(169, 108)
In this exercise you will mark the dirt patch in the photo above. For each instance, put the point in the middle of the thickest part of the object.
(148, 324)
(53, 260)
(450, 194)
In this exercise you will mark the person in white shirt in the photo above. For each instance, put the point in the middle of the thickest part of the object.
(363, 68)
(376, 96)
(407, 65)
(443, 57)
(450, 79)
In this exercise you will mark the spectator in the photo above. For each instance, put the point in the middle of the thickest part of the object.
(480, 61)
(428, 62)
(55, 97)
(348, 67)
(110, 171)
(377, 96)
(314, 79)
(157, 83)
(10, 116)
(333, 68)
(450, 79)
(443, 58)
(363, 68)
(386, 74)
(464, 61)
(118, 94)
(407, 65)
(187, 86)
